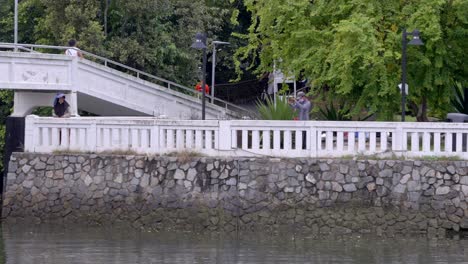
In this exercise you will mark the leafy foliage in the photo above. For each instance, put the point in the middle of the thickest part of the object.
(460, 100)
(353, 48)
(332, 113)
(281, 111)
(6, 104)
(340, 113)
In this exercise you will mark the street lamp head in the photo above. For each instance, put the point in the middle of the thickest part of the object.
(216, 42)
(416, 41)
(200, 41)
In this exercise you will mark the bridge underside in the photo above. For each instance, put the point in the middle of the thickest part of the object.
(99, 106)
(27, 101)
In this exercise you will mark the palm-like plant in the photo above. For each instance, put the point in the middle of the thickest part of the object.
(339, 113)
(333, 113)
(460, 101)
(281, 111)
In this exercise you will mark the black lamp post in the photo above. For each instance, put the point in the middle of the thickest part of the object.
(416, 41)
(200, 43)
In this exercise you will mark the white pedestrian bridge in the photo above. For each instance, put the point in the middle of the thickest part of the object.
(98, 85)
(253, 138)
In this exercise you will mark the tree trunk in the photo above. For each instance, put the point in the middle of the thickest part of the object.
(419, 110)
(422, 114)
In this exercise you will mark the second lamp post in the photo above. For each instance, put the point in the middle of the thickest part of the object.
(416, 41)
(200, 43)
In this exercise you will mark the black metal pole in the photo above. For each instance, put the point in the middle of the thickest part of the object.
(403, 76)
(203, 84)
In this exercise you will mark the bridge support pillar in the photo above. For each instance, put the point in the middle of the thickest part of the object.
(73, 102)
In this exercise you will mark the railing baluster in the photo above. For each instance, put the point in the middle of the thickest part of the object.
(234, 144)
(372, 142)
(255, 140)
(459, 145)
(115, 138)
(245, 139)
(266, 143)
(208, 139)
(339, 141)
(361, 141)
(329, 141)
(276, 140)
(448, 142)
(437, 145)
(144, 138)
(298, 138)
(64, 141)
(199, 139)
(414, 142)
(179, 139)
(45, 137)
(125, 138)
(383, 141)
(189, 138)
(170, 138)
(163, 139)
(134, 139)
(55, 137)
(287, 140)
(426, 142)
(351, 141)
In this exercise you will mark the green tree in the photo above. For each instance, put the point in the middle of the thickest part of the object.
(353, 49)
(70, 19)
(156, 35)
(6, 104)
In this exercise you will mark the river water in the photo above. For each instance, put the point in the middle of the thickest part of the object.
(53, 244)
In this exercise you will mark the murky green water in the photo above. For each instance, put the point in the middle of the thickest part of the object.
(46, 244)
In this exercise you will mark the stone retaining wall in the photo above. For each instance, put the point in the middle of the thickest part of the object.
(305, 195)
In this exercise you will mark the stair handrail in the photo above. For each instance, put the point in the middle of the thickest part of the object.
(226, 105)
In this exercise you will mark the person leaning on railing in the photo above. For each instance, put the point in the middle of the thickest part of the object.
(61, 107)
(199, 89)
(73, 50)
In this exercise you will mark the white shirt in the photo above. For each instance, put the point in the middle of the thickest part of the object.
(72, 51)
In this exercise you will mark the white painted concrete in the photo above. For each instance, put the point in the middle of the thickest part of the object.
(247, 138)
(94, 88)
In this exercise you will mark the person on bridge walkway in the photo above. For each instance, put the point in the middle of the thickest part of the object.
(61, 107)
(303, 105)
(73, 50)
(198, 89)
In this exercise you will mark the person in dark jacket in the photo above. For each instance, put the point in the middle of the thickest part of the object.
(61, 107)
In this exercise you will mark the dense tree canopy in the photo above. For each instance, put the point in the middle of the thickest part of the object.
(154, 36)
(353, 49)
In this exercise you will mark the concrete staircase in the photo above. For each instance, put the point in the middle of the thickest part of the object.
(100, 88)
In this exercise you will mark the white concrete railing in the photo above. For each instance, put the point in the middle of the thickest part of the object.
(246, 137)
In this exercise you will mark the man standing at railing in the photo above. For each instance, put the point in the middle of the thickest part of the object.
(302, 104)
(73, 50)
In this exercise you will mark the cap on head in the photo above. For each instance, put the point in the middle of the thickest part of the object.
(300, 94)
